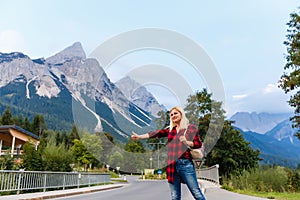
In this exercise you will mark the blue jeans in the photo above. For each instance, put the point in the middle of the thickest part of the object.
(184, 169)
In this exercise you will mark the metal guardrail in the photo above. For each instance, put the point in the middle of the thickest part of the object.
(32, 180)
(210, 174)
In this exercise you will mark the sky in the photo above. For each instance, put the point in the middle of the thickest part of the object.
(243, 39)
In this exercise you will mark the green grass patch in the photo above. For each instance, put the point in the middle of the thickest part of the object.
(271, 195)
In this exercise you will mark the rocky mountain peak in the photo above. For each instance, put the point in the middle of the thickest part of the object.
(284, 131)
(258, 122)
(74, 51)
(139, 95)
(8, 57)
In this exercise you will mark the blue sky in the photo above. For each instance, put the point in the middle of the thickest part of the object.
(244, 39)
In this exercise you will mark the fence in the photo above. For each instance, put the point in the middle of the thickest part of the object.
(33, 180)
(210, 174)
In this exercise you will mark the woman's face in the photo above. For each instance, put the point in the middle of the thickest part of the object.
(175, 116)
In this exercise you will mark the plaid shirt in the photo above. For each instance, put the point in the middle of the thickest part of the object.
(177, 149)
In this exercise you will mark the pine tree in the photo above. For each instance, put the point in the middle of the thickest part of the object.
(27, 124)
(38, 125)
(7, 118)
(73, 135)
(18, 120)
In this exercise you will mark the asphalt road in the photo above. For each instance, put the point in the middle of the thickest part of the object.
(155, 190)
(134, 190)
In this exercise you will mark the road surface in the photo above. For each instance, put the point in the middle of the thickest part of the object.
(155, 190)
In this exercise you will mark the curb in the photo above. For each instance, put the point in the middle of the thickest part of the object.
(59, 193)
(70, 194)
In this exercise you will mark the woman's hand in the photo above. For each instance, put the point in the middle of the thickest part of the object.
(183, 139)
(135, 136)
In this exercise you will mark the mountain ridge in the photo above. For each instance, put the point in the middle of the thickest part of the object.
(258, 122)
(139, 95)
(278, 145)
(68, 82)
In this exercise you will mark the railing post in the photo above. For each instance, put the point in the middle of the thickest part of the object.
(45, 182)
(89, 180)
(19, 182)
(64, 183)
(78, 180)
(218, 181)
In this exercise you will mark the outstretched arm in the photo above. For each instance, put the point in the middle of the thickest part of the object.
(135, 136)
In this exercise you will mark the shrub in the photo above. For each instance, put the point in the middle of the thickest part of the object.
(262, 179)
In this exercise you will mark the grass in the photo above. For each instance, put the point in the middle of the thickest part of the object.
(271, 195)
(268, 182)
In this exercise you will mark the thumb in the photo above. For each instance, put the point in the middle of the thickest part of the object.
(133, 133)
(134, 136)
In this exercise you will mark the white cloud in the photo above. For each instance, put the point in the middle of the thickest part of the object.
(239, 96)
(266, 99)
(271, 88)
(11, 40)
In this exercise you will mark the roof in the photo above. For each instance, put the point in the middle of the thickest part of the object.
(21, 130)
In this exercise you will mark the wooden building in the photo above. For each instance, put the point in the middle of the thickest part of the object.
(14, 137)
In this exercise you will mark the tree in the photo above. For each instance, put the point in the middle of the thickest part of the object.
(27, 124)
(208, 114)
(81, 154)
(58, 138)
(223, 144)
(107, 143)
(134, 157)
(232, 152)
(116, 160)
(290, 80)
(7, 118)
(32, 159)
(38, 124)
(73, 135)
(56, 157)
(134, 146)
(18, 120)
(64, 138)
(6, 162)
(93, 144)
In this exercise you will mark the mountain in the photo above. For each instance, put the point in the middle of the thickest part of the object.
(75, 51)
(272, 135)
(284, 132)
(139, 95)
(258, 122)
(69, 88)
(273, 151)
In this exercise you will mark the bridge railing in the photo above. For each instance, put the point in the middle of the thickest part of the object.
(33, 180)
(210, 174)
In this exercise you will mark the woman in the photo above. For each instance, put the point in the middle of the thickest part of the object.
(180, 167)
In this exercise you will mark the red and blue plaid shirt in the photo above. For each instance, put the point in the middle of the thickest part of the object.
(177, 149)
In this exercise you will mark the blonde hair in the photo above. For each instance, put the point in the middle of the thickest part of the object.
(184, 122)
